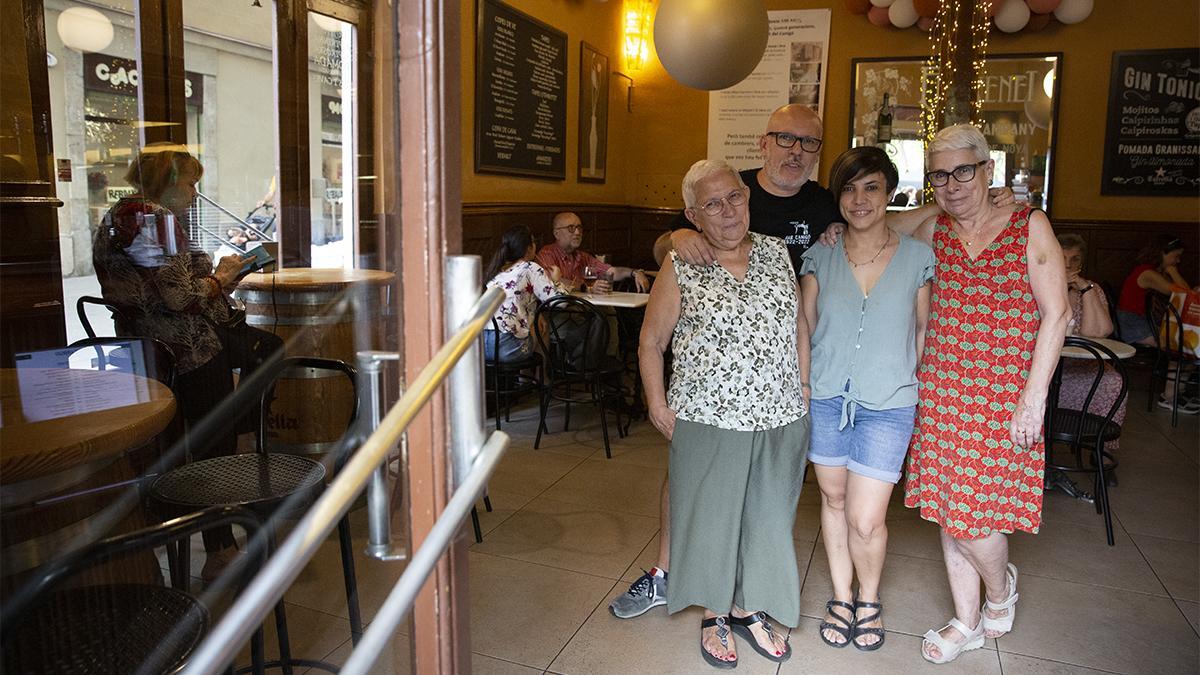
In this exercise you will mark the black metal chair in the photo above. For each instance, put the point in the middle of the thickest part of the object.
(1167, 328)
(573, 336)
(81, 309)
(151, 358)
(272, 485)
(48, 626)
(1110, 296)
(1085, 433)
(506, 381)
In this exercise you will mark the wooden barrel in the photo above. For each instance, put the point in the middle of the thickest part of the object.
(331, 313)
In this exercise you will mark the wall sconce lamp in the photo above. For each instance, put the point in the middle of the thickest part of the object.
(628, 90)
(639, 17)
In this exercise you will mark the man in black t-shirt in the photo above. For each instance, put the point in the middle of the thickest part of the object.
(783, 201)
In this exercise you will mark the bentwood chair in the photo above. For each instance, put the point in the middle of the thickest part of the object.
(143, 356)
(505, 381)
(1084, 433)
(81, 309)
(1170, 361)
(274, 486)
(58, 623)
(573, 336)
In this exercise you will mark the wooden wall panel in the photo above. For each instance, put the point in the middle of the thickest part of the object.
(627, 234)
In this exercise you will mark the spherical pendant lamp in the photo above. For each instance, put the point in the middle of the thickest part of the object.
(710, 44)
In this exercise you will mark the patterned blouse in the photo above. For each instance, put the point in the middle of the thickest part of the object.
(168, 297)
(735, 362)
(525, 284)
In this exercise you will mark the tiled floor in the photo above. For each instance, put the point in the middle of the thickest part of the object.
(571, 529)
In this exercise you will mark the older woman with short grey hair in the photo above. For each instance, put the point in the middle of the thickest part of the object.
(996, 325)
(736, 417)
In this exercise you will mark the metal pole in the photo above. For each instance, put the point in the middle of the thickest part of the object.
(379, 493)
(465, 384)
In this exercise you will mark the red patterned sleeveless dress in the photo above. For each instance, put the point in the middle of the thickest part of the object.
(963, 472)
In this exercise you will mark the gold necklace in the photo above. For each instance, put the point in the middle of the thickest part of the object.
(875, 257)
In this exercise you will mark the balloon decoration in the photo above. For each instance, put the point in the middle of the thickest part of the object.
(709, 45)
(879, 16)
(902, 14)
(1012, 16)
(1008, 16)
(926, 9)
(1073, 11)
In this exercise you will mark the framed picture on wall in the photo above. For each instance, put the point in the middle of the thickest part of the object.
(1020, 112)
(593, 114)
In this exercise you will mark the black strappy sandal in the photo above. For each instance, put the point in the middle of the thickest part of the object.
(722, 624)
(741, 626)
(844, 629)
(858, 630)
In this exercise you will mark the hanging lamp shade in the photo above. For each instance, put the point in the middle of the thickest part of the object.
(710, 44)
(84, 29)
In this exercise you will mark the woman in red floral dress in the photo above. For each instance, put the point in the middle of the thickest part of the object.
(996, 328)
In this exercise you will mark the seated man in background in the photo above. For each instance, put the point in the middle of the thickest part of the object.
(571, 260)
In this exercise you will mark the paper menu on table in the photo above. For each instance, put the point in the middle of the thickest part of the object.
(51, 388)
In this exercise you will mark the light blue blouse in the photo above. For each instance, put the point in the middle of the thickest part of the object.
(864, 347)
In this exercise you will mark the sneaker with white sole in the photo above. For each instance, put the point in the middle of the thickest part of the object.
(1186, 406)
(648, 592)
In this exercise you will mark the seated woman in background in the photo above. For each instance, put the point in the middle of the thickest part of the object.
(1157, 269)
(1089, 319)
(525, 284)
(173, 294)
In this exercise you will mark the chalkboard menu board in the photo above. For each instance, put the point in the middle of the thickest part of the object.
(1153, 142)
(520, 94)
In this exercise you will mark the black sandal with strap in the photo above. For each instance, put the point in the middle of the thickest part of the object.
(741, 626)
(722, 624)
(859, 630)
(844, 629)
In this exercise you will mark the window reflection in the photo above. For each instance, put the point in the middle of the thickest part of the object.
(332, 58)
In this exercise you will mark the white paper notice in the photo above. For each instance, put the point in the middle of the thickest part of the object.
(792, 70)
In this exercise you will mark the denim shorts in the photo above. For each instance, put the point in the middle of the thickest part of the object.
(874, 446)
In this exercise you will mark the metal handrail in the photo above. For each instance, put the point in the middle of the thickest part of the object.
(233, 215)
(404, 593)
(289, 559)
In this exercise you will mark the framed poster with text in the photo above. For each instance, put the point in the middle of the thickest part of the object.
(520, 94)
(1152, 142)
(593, 114)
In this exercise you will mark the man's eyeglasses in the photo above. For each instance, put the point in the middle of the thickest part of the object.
(786, 140)
(715, 206)
(963, 174)
(570, 228)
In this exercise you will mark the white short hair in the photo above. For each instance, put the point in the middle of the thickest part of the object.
(960, 137)
(702, 170)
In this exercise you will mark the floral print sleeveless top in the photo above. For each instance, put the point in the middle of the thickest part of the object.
(735, 364)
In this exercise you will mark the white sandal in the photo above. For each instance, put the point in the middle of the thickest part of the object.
(1004, 623)
(972, 639)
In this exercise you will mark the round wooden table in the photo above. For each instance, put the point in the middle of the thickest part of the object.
(330, 313)
(78, 450)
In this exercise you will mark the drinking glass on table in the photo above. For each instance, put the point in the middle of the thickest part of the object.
(596, 281)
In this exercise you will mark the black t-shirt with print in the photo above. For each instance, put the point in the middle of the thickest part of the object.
(798, 219)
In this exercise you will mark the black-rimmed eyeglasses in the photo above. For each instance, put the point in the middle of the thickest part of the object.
(714, 206)
(785, 140)
(962, 173)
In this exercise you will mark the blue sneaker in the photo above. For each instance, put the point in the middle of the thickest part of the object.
(648, 592)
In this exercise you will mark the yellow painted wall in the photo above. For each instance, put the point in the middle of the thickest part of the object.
(667, 129)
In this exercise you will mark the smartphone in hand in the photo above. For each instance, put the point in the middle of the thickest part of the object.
(262, 258)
